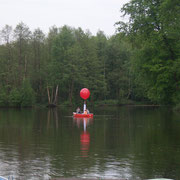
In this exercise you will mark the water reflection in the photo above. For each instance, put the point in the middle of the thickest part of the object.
(123, 143)
(52, 116)
(85, 135)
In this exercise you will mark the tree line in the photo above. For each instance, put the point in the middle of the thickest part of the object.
(139, 63)
(35, 67)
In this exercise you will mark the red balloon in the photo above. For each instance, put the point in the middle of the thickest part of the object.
(84, 93)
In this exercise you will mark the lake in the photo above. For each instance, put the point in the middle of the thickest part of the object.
(119, 142)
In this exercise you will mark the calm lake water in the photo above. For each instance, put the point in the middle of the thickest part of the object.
(119, 142)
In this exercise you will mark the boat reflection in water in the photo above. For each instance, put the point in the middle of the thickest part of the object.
(85, 136)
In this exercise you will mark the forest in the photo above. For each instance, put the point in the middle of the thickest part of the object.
(140, 63)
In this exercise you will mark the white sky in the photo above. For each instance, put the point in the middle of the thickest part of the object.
(93, 15)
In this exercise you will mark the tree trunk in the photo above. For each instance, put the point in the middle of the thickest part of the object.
(52, 99)
(56, 95)
(49, 98)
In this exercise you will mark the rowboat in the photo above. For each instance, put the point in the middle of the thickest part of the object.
(77, 115)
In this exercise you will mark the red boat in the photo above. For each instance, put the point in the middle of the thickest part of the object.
(90, 115)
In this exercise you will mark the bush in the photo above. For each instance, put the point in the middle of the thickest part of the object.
(15, 98)
(23, 97)
(106, 102)
(27, 94)
(3, 98)
(177, 108)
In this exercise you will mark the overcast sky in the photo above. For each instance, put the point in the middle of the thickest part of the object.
(93, 15)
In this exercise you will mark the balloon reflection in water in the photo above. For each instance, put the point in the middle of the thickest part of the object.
(85, 136)
(85, 140)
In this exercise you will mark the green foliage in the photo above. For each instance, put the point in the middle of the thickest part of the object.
(67, 57)
(177, 107)
(27, 94)
(3, 97)
(140, 63)
(153, 29)
(22, 97)
(106, 102)
(15, 98)
(118, 69)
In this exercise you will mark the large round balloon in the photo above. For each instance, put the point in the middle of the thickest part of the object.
(85, 93)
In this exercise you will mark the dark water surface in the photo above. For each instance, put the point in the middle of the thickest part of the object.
(119, 142)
